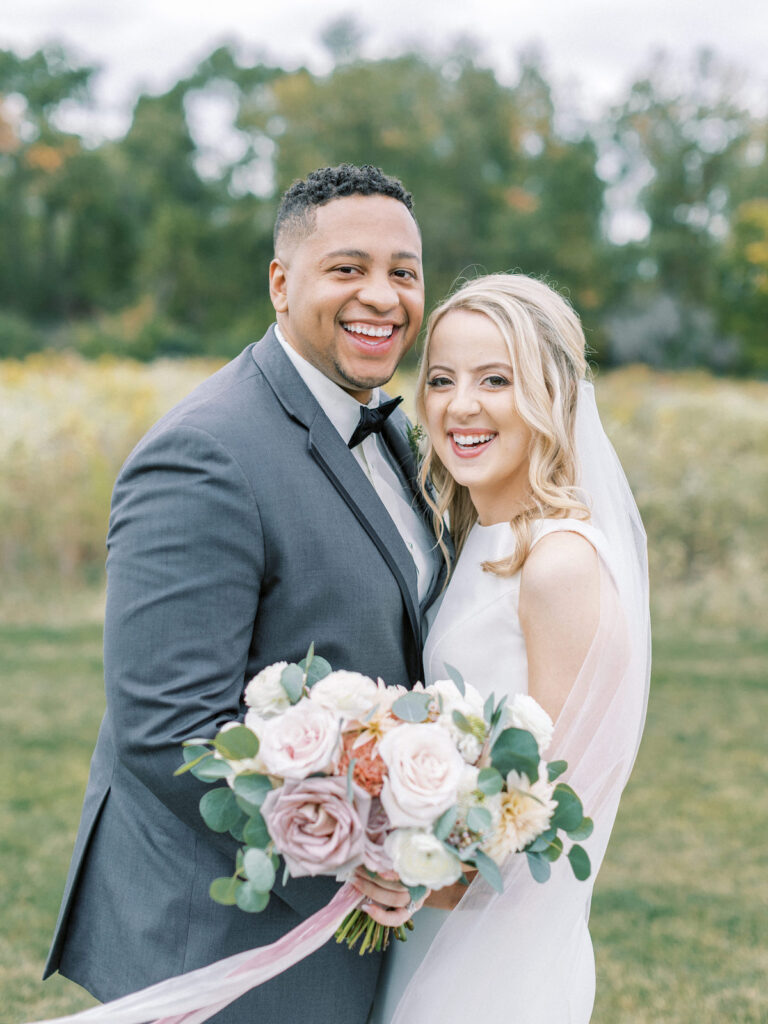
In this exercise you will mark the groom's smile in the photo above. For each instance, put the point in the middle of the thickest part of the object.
(349, 296)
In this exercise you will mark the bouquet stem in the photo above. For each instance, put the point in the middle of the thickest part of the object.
(357, 926)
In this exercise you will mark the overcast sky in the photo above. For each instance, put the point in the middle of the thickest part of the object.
(599, 44)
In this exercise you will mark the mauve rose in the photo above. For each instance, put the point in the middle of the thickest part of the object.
(302, 741)
(377, 829)
(315, 827)
(424, 771)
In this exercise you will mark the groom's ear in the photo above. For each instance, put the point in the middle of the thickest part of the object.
(278, 285)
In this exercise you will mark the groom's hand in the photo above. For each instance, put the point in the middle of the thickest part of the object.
(389, 901)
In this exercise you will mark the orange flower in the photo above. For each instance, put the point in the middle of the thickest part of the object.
(369, 770)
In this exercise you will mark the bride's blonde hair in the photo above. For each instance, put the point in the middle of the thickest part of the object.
(546, 345)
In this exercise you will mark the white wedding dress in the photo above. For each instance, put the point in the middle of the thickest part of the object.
(524, 956)
(531, 961)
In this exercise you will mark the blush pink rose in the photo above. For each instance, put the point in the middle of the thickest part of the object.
(315, 827)
(303, 740)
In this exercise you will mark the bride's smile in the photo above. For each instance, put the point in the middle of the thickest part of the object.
(476, 430)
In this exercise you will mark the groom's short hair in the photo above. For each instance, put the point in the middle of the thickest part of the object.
(296, 214)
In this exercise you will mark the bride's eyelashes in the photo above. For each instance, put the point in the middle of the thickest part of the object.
(439, 381)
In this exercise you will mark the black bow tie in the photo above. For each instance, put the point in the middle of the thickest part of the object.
(372, 420)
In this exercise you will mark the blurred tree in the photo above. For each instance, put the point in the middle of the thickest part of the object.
(687, 137)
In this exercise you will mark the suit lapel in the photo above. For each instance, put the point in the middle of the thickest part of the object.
(342, 469)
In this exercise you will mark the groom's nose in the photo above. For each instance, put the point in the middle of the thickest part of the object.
(378, 292)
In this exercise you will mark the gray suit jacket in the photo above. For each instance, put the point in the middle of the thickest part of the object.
(242, 529)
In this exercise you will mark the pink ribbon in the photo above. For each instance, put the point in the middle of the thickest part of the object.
(194, 997)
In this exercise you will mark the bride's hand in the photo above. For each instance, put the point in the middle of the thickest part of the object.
(389, 901)
(447, 897)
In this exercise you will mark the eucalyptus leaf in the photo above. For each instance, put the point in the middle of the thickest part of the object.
(238, 861)
(252, 787)
(516, 750)
(553, 849)
(583, 830)
(292, 681)
(488, 708)
(579, 859)
(250, 899)
(569, 811)
(219, 809)
(256, 832)
(237, 827)
(191, 764)
(489, 870)
(479, 819)
(211, 768)
(259, 869)
(490, 782)
(237, 743)
(462, 723)
(350, 777)
(539, 866)
(317, 669)
(193, 751)
(555, 769)
(417, 892)
(457, 678)
(412, 707)
(224, 890)
(444, 824)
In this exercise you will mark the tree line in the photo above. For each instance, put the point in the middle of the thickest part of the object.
(157, 243)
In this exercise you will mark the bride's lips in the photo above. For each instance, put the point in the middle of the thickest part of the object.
(373, 337)
(468, 444)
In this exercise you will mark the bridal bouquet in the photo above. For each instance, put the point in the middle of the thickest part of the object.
(332, 770)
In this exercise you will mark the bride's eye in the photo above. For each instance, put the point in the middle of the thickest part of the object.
(497, 381)
(438, 382)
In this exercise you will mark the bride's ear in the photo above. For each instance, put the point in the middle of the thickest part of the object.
(278, 285)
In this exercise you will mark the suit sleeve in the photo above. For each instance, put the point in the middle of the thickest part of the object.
(185, 563)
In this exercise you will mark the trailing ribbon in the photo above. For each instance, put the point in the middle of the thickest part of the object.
(194, 997)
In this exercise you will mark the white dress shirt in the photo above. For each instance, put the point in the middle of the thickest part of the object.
(344, 413)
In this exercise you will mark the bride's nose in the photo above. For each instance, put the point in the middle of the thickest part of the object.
(464, 401)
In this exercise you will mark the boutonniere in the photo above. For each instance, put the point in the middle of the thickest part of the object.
(417, 440)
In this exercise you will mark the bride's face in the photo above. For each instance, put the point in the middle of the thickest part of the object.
(471, 415)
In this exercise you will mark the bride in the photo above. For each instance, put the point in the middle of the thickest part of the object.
(548, 596)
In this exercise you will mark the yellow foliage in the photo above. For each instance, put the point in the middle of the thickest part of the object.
(694, 447)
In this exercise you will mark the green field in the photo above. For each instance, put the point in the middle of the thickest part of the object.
(680, 915)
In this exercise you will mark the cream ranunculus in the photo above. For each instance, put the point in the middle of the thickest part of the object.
(348, 695)
(470, 705)
(302, 741)
(265, 693)
(523, 712)
(419, 858)
(525, 813)
(424, 768)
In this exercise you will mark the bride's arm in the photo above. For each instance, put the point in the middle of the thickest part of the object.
(559, 612)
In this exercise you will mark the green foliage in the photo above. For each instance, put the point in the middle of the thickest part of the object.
(516, 750)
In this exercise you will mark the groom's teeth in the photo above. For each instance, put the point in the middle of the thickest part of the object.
(369, 330)
(470, 440)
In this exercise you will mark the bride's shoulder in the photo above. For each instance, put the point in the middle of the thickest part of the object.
(562, 564)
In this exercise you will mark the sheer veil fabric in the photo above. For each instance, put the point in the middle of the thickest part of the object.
(525, 956)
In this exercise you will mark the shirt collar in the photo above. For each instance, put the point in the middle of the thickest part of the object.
(338, 405)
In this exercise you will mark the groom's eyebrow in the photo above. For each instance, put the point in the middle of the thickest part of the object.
(361, 254)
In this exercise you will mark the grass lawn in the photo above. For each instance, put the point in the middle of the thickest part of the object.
(680, 915)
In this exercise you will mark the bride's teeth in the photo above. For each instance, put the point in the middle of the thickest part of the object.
(369, 330)
(466, 441)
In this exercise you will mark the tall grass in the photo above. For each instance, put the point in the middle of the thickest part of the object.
(695, 449)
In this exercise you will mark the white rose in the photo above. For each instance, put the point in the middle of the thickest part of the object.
(245, 764)
(525, 813)
(424, 768)
(470, 705)
(419, 858)
(348, 695)
(302, 741)
(526, 713)
(265, 693)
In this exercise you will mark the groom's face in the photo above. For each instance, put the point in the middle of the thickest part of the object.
(349, 297)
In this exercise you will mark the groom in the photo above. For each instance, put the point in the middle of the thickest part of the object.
(249, 522)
